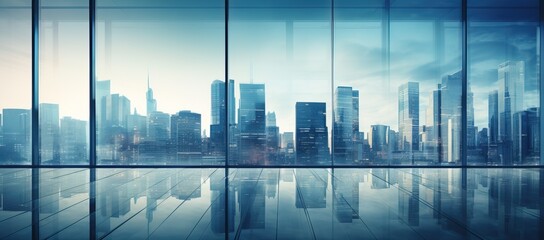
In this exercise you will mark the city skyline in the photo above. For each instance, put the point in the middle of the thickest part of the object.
(257, 136)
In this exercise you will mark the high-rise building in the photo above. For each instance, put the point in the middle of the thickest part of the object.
(272, 138)
(136, 127)
(433, 127)
(232, 103)
(450, 120)
(525, 134)
(73, 141)
(16, 132)
(346, 124)
(493, 122)
(511, 76)
(49, 133)
(117, 110)
(186, 134)
(252, 124)
(378, 140)
(151, 103)
(409, 116)
(103, 89)
(311, 134)
(158, 126)
(219, 118)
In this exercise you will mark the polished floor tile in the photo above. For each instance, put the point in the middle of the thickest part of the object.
(308, 203)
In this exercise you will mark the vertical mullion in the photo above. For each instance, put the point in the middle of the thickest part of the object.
(331, 156)
(541, 78)
(35, 83)
(227, 117)
(464, 81)
(92, 89)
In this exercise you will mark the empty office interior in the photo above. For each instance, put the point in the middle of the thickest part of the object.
(267, 119)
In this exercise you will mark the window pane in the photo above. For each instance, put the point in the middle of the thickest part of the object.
(397, 83)
(64, 82)
(159, 65)
(503, 45)
(280, 60)
(15, 82)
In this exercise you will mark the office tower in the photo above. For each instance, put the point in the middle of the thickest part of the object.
(408, 116)
(103, 89)
(16, 131)
(525, 134)
(117, 110)
(151, 103)
(510, 101)
(378, 139)
(346, 124)
(252, 124)
(219, 118)
(186, 134)
(231, 103)
(233, 141)
(433, 127)
(451, 111)
(287, 148)
(49, 133)
(136, 127)
(272, 138)
(158, 126)
(355, 115)
(493, 124)
(311, 134)
(73, 141)
(471, 129)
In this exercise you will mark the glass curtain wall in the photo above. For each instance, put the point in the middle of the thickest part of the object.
(160, 95)
(15, 82)
(503, 66)
(397, 82)
(310, 83)
(280, 66)
(64, 82)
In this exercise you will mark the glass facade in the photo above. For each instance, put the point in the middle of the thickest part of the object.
(271, 83)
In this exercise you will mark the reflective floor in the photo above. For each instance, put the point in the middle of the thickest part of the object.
(282, 203)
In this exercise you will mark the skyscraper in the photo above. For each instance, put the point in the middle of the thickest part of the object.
(103, 89)
(346, 124)
(450, 120)
(49, 133)
(510, 101)
(409, 116)
(16, 131)
(312, 146)
(117, 110)
(433, 124)
(252, 124)
(186, 134)
(73, 141)
(272, 137)
(525, 134)
(493, 118)
(378, 140)
(151, 103)
(219, 117)
(158, 126)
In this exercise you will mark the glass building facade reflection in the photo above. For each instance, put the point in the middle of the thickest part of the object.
(455, 82)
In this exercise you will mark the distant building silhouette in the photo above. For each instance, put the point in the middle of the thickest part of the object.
(346, 124)
(408, 116)
(312, 145)
(49, 133)
(73, 141)
(252, 124)
(186, 134)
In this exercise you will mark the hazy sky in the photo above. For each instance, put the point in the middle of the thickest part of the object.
(183, 57)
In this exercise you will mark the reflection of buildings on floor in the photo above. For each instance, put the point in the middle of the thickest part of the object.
(311, 188)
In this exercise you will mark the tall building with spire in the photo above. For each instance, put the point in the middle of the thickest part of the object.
(151, 102)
